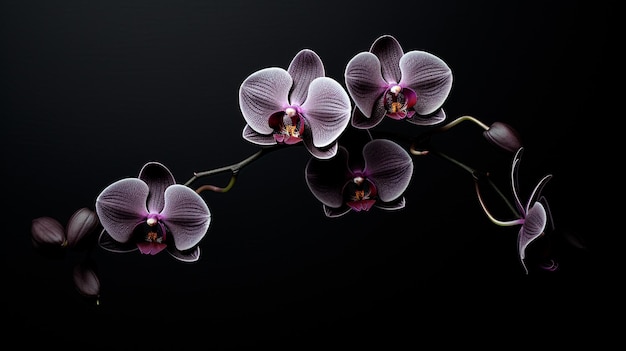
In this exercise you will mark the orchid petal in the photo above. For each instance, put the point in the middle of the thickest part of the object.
(360, 121)
(389, 52)
(323, 179)
(429, 76)
(327, 110)
(532, 228)
(186, 215)
(191, 255)
(82, 222)
(364, 81)
(150, 248)
(331, 212)
(429, 120)
(322, 153)
(255, 137)
(304, 68)
(393, 205)
(263, 93)
(122, 206)
(48, 231)
(388, 166)
(514, 180)
(537, 191)
(158, 177)
(107, 243)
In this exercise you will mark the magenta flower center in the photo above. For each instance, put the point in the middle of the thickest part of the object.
(288, 125)
(398, 101)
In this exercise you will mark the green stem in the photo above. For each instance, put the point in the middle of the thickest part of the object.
(234, 169)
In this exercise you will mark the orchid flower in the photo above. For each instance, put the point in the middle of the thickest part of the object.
(152, 213)
(534, 214)
(295, 105)
(388, 82)
(376, 176)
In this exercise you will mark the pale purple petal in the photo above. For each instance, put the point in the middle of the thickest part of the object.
(326, 178)
(158, 178)
(321, 153)
(532, 228)
(432, 119)
(86, 280)
(82, 222)
(263, 93)
(255, 137)
(186, 256)
(186, 215)
(48, 231)
(327, 110)
(389, 167)
(429, 76)
(122, 206)
(389, 52)
(364, 81)
(304, 68)
(360, 121)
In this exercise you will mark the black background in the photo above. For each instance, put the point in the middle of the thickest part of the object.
(91, 90)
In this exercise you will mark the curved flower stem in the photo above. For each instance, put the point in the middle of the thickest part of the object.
(442, 129)
(459, 120)
(491, 218)
(234, 169)
(476, 174)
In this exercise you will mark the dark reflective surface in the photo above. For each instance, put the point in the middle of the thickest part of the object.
(93, 91)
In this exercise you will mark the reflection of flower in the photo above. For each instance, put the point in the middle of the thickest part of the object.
(152, 213)
(295, 105)
(377, 176)
(48, 233)
(533, 216)
(388, 82)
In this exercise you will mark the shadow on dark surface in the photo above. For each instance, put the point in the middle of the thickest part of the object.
(93, 91)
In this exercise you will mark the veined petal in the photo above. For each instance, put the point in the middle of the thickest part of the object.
(158, 177)
(255, 137)
(532, 228)
(429, 76)
(364, 81)
(304, 68)
(389, 52)
(122, 206)
(262, 94)
(429, 120)
(80, 224)
(388, 166)
(107, 243)
(327, 110)
(360, 121)
(49, 231)
(326, 178)
(322, 153)
(186, 215)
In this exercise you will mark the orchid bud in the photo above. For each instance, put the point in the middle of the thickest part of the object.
(48, 231)
(82, 222)
(86, 280)
(503, 136)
